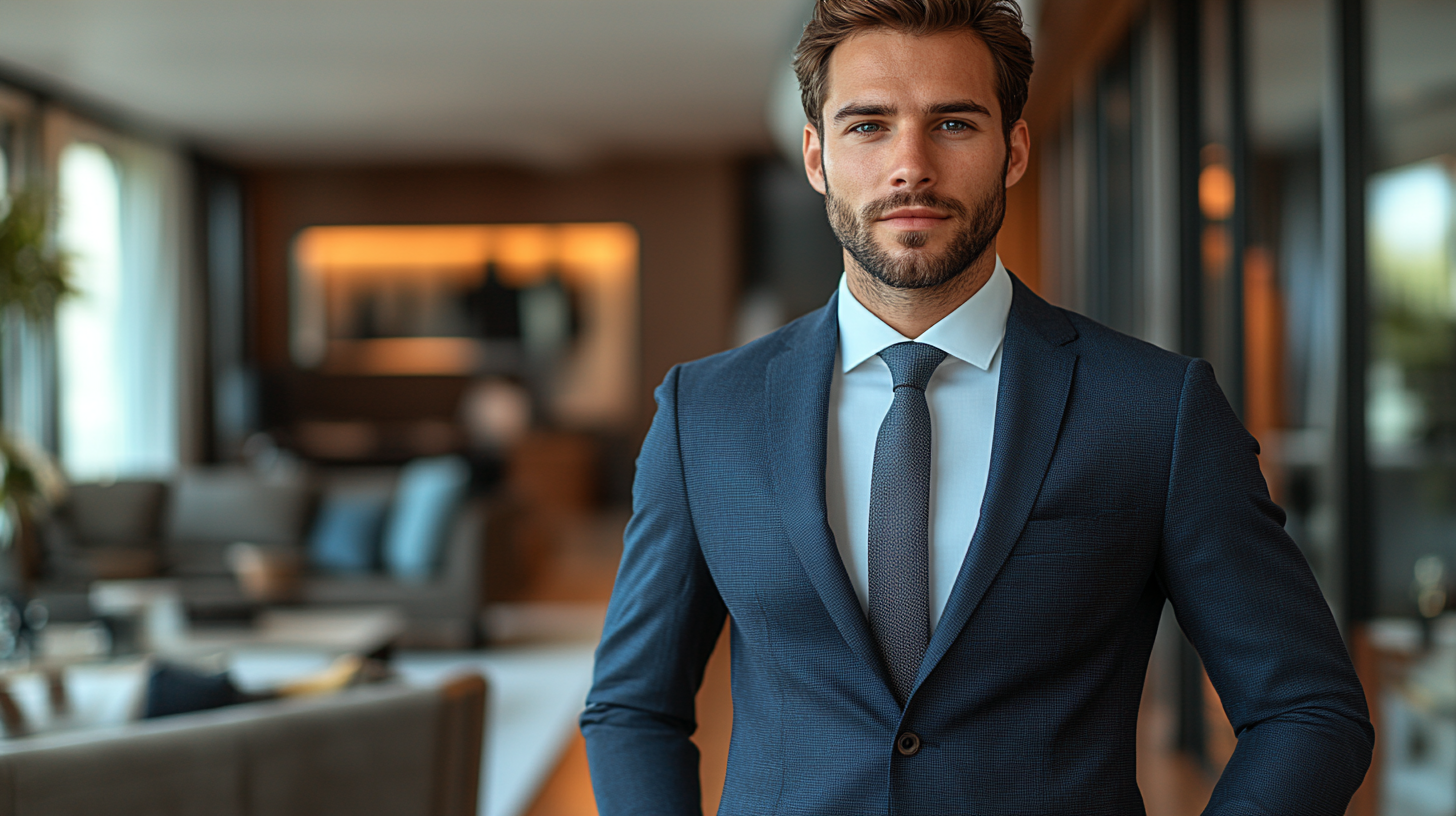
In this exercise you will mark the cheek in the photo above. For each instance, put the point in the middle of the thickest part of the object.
(851, 177)
(978, 171)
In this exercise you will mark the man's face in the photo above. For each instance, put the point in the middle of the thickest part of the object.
(913, 162)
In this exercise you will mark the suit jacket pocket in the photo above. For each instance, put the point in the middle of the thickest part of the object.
(1117, 533)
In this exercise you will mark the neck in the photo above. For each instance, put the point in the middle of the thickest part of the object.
(911, 311)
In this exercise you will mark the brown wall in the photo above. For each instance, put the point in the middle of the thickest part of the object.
(687, 214)
(1019, 242)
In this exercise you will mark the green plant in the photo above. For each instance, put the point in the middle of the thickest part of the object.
(34, 275)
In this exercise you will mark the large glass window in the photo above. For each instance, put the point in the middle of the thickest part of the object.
(1411, 409)
(90, 325)
(1412, 243)
(118, 340)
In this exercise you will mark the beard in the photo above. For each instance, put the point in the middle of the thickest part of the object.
(977, 228)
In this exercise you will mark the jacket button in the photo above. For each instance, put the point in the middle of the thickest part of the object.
(908, 744)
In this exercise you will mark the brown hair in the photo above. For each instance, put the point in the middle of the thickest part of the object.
(997, 22)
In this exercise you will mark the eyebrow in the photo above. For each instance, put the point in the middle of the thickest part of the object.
(854, 109)
(960, 106)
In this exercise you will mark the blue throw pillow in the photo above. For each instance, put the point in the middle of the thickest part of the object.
(425, 501)
(345, 537)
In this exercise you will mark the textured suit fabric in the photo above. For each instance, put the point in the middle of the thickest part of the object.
(899, 525)
(1119, 478)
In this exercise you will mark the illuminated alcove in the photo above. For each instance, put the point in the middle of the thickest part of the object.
(551, 305)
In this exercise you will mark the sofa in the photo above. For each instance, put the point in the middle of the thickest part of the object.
(386, 750)
(182, 529)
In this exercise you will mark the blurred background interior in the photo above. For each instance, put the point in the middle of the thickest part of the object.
(328, 333)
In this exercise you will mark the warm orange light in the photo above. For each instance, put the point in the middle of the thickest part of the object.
(598, 249)
(1216, 192)
(402, 267)
(405, 356)
(342, 249)
(524, 253)
(1217, 249)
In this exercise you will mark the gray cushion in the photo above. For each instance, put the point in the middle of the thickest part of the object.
(211, 508)
(127, 512)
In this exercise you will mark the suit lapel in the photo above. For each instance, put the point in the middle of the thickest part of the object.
(1036, 377)
(798, 413)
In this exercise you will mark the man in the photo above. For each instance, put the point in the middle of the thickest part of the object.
(943, 515)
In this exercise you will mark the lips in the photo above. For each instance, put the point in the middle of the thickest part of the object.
(914, 218)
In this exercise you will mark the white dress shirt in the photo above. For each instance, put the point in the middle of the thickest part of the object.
(962, 399)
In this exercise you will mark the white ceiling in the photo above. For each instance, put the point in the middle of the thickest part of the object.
(539, 81)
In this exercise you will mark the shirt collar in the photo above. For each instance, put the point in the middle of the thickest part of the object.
(971, 333)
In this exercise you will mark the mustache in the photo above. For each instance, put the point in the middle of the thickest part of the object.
(895, 201)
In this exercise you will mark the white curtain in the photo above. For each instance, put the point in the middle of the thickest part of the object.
(123, 216)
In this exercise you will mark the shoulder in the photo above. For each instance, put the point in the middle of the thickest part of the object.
(1102, 352)
(1137, 360)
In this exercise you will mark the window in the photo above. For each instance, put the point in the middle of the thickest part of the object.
(90, 324)
(117, 341)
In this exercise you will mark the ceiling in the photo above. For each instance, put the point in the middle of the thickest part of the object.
(536, 81)
(1412, 87)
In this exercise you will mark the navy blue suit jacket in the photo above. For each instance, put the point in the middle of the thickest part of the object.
(1119, 478)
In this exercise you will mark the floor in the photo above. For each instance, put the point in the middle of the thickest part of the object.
(576, 579)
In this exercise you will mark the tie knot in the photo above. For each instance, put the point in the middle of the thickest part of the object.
(912, 363)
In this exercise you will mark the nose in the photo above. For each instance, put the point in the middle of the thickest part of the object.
(912, 167)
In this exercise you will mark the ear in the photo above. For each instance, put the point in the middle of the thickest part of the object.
(814, 159)
(1019, 147)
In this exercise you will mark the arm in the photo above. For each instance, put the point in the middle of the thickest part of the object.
(1249, 603)
(664, 619)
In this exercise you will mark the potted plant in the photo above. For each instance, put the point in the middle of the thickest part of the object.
(34, 278)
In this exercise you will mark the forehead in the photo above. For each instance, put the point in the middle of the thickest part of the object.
(887, 66)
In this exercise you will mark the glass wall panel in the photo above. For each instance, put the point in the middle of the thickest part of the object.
(1291, 289)
(1108, 197)
(1115, 290)
(1411, 409)
(1218, 199)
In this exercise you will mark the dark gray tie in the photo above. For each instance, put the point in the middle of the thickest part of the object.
(899, 549)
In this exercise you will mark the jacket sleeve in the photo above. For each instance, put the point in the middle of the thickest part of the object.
(1247, 600)
(663, 621)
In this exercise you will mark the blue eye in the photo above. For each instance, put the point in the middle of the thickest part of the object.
(864, 127)
(955, 126)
